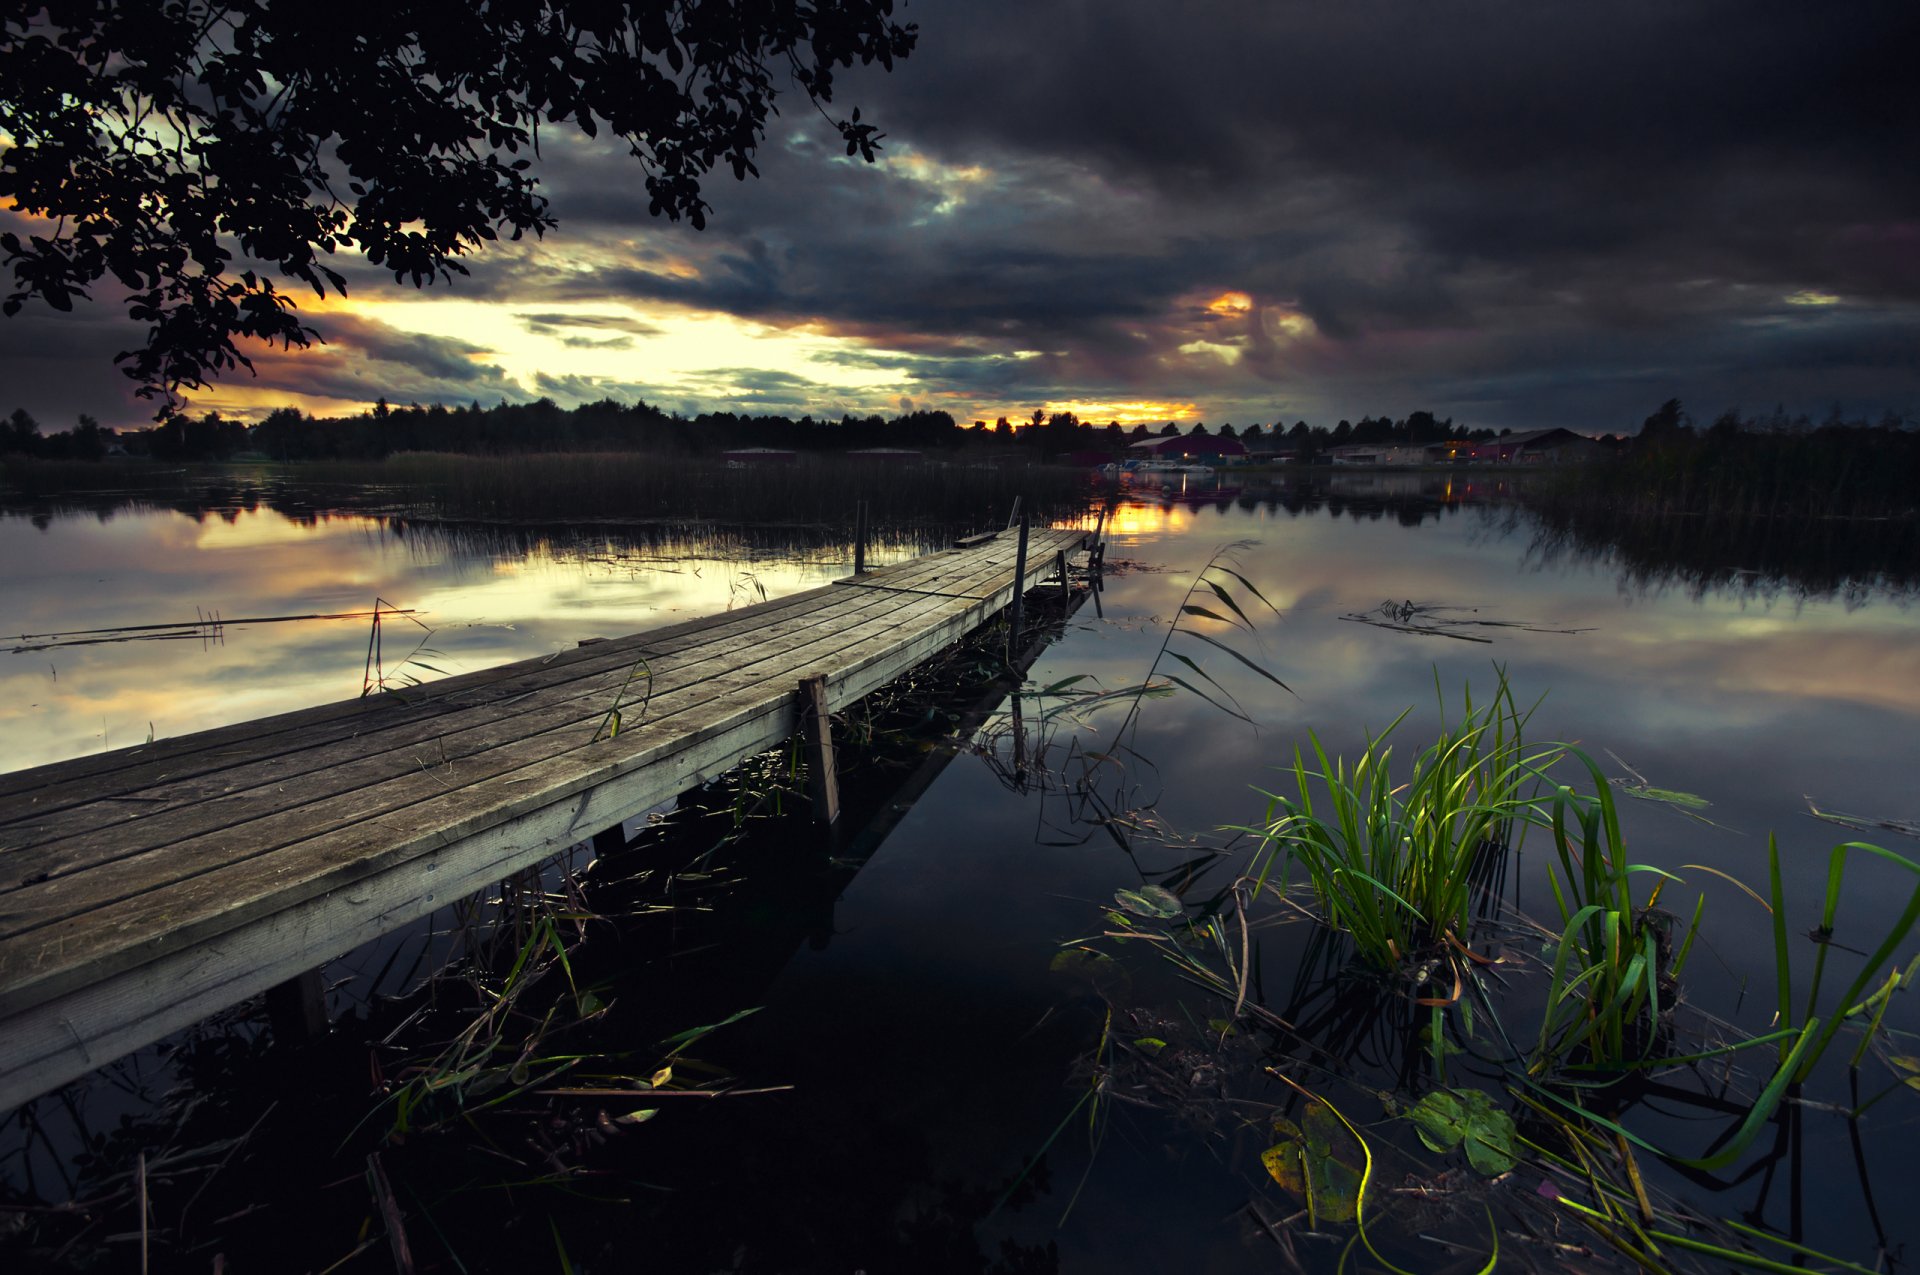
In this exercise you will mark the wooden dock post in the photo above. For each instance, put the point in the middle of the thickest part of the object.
(1066, 581)
(1097, 550)
(1019, 581)
(610, 841)
(297, 1008)
(823, 784)
(859, 537)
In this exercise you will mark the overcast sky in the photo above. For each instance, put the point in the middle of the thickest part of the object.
(1517, 214)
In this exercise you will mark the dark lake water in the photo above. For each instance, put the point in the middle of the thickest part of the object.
(934, 1056)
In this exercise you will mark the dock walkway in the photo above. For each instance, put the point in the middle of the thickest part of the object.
(145, 888)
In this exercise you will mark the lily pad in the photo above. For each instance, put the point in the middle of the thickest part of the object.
(1447, 1118)
(1319, 1161)
(1152, 901)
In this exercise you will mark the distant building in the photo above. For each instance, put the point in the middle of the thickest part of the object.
(890, 454)
(1377, 454)
(1535, 447)
(1186, 447)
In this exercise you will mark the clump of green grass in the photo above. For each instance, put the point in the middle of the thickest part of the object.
(1394, 863)
(1615, 964)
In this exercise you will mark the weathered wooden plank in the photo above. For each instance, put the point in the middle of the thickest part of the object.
(81, 990)
(517, 698)
(212, 751)
(56, 776)
(61, 957)
(105, 865)
(252, 824)
(259, 733)
(356, 739)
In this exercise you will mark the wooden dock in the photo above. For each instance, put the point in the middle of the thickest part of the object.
(145, 888)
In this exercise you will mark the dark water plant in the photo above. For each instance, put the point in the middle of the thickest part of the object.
(1394, 864)
(1614, 964)
(1593, 1101)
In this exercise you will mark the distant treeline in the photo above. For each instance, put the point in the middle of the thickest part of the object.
(613, 426)
(1753, 467)
(1667, 443)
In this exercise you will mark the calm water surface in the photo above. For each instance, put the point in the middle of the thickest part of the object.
(933, 1054)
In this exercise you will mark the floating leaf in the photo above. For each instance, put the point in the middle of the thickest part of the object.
(1690, 800)
(1319, 1161)
(1152, 1044)
(1447, 1118)
(1151, 900)
(641, 1116)
(660, 1077)
(1079, 964)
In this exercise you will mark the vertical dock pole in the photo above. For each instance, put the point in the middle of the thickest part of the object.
(1066, 581)
(859, 537)
(1019, 582)
(610, 841)
(297, 1008)
(823, 784)
(1097, 550)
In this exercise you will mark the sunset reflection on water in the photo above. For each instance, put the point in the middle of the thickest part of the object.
(487, 598)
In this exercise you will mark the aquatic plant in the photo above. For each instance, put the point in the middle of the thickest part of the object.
(1393, 864)
(1614, 965)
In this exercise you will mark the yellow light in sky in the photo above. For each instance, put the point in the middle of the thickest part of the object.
(1231, 303)
(1810, 297)
(682, 346)
(1100, 411)
(1228, 354)
(1285, 322)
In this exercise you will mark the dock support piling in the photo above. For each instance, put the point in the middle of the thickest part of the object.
(1066, 581)
(1019, 581)
(610, 841)
(297, 1008)
(859, 537)
(823, 784)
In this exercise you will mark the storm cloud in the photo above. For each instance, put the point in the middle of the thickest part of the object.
(1513, 214)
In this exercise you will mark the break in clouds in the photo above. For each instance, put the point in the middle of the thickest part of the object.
(1513, 214)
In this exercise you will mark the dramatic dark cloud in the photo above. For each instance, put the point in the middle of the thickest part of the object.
(1512, 213)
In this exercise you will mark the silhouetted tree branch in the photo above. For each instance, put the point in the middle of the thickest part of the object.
(201, 152)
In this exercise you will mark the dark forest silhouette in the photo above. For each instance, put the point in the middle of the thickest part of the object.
(1736, 462)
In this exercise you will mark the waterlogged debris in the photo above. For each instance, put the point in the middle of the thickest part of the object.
(1447, 1118)
(1688, 800)
(1865, 823)
(1319, 1161)
(1432, 620)
(1152, 901)
(1687, 803)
